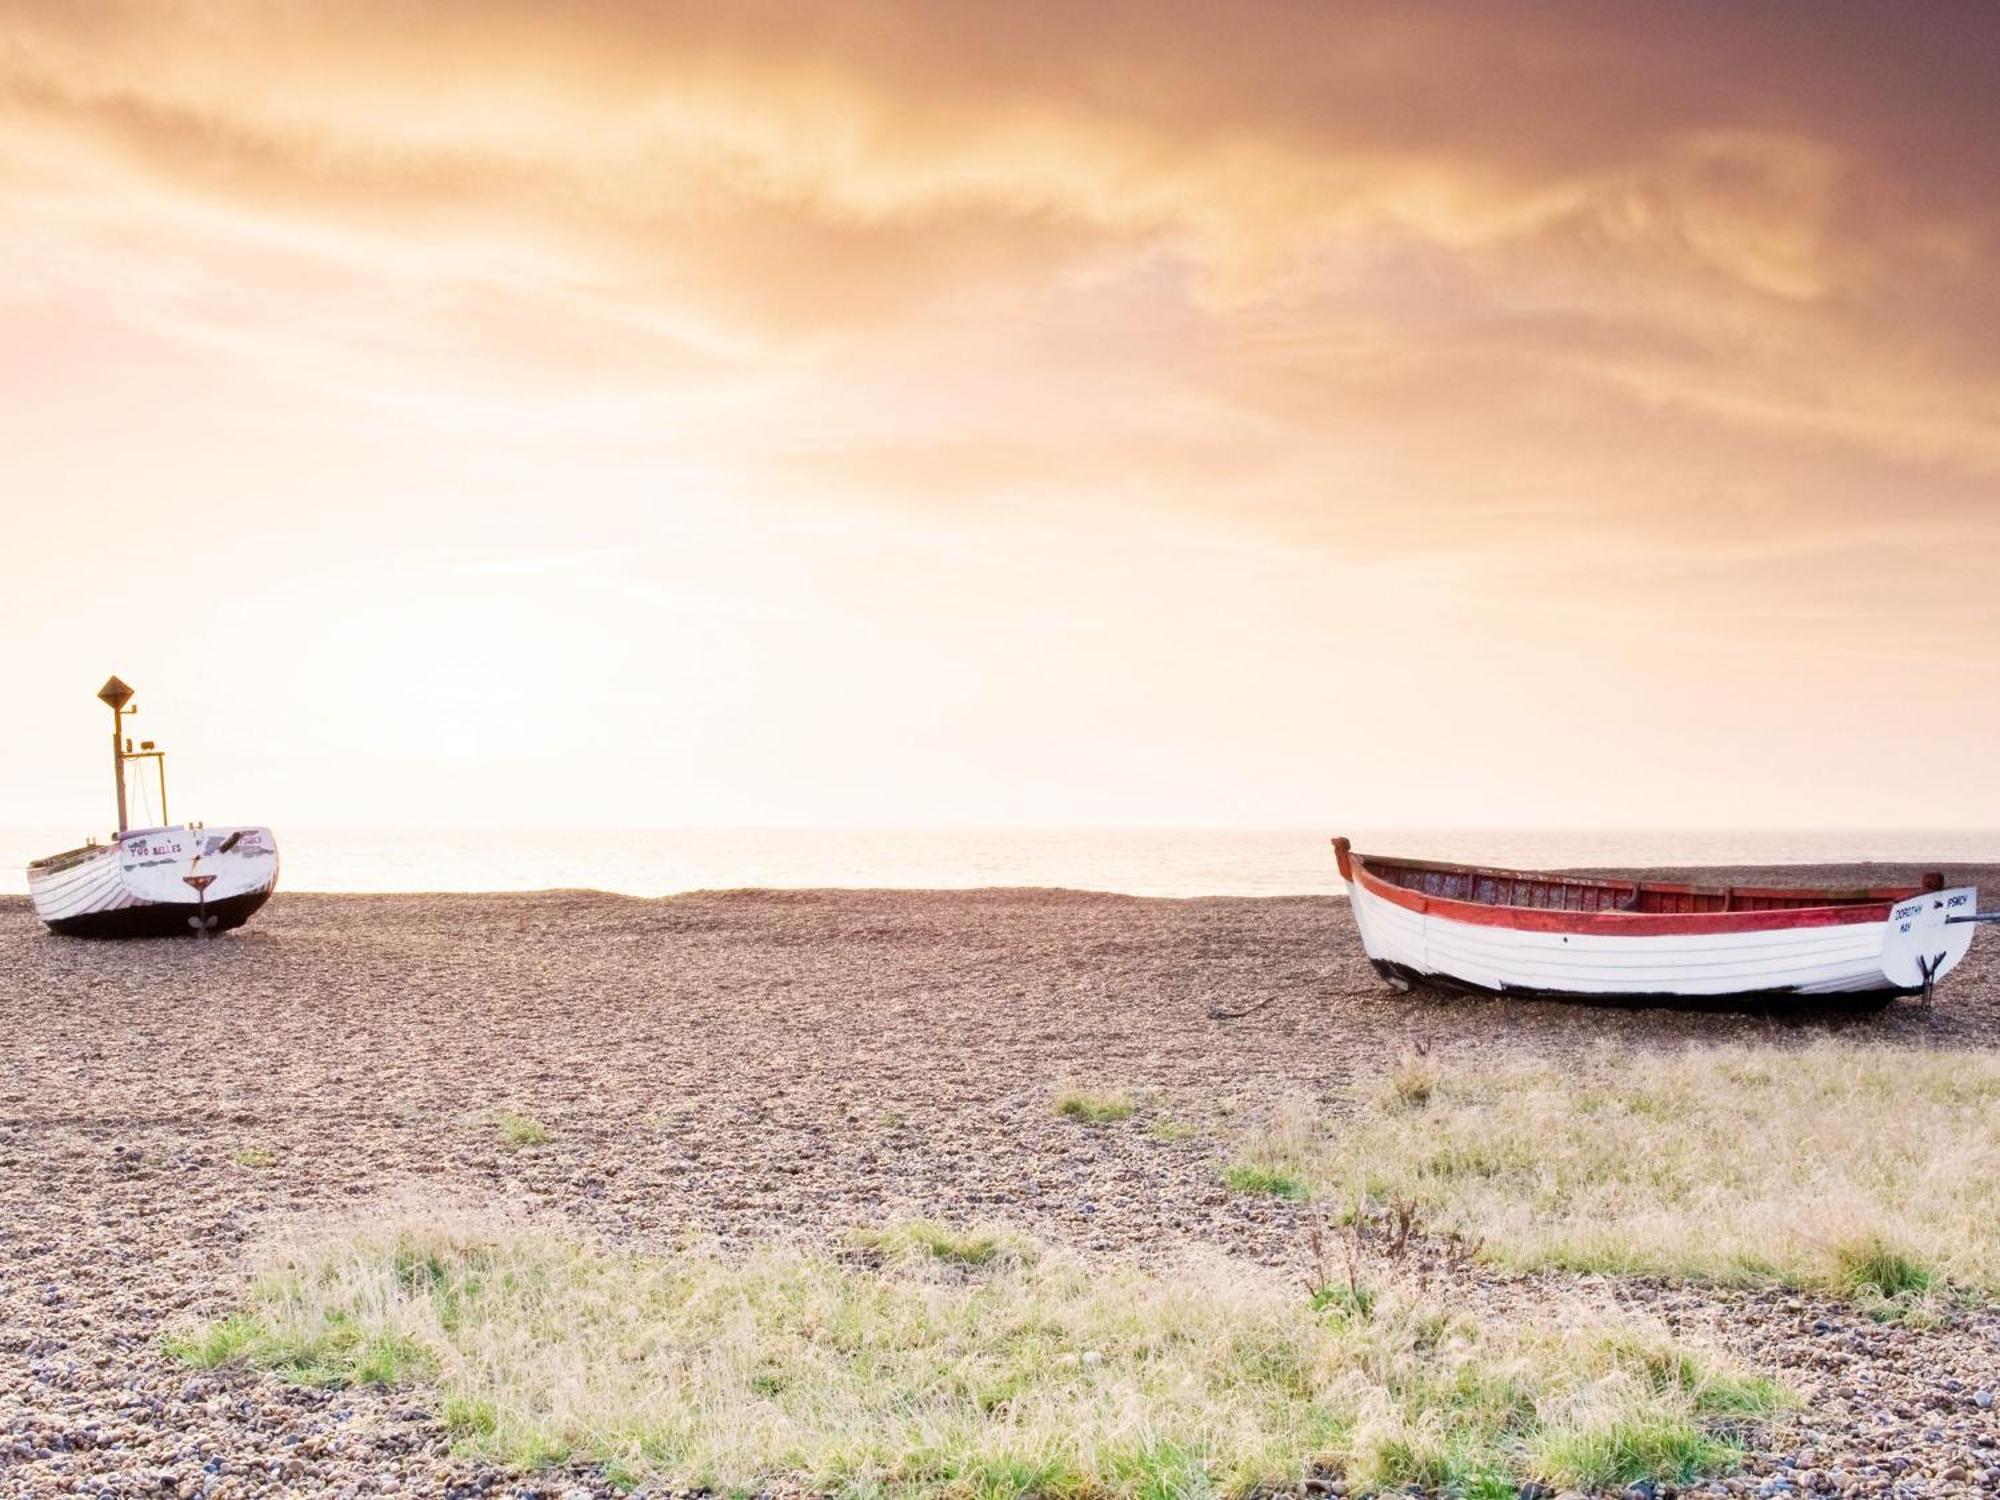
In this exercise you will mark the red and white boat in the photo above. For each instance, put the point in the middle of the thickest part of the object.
(166, 881)
(1522, 932)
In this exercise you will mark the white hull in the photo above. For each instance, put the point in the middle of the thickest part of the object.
(157, 881)
(1833, 959)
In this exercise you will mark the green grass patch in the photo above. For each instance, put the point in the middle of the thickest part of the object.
(1872, 1267)
(522, 1130)
(1095, 1109)
(1038, 1374)
(342, 1351)
(1623, 1450)
(254, 1156)
(1270, 1182)
(1356, 1300)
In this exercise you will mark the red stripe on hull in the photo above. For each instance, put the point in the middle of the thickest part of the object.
(1621, 923)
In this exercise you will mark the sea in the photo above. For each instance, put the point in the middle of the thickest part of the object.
(1140, 862)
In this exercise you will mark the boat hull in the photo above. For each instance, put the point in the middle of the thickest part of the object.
(157, 882)
(1812, 954)
(161, 919)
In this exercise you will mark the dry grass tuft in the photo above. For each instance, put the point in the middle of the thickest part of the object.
(1869, 1171)
(940, 1242)
(1413, 1080)
(1039, 1374)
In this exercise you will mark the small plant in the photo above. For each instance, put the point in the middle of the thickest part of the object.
(255, 1156)
(1888, 1284)
(1338, 1290)
(1405, 1222)
(1344, 1300)
(1095, 1109)
(521, 1130)
(1271, 1182)
(1872, 1266)
(1172, 1131)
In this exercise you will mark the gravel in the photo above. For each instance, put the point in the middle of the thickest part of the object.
(748, 1064)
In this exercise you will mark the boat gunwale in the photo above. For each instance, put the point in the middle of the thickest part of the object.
(1838, 895)
(1873, 905)
(50, 864)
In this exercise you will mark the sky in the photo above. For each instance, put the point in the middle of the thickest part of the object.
(1026, 414)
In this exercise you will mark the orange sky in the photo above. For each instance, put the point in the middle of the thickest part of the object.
(1273, 413)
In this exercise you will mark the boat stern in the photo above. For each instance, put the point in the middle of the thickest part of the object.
(198, 866)
(1927, 936)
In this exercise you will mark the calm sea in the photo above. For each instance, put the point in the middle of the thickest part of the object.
(1158, 862)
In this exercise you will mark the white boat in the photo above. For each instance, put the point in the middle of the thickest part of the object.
(1530, 933)
(173, 880)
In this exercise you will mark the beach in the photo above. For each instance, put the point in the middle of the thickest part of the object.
(751, 1065)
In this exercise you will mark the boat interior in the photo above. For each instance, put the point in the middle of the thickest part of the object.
(1553, 892)
(50, 863)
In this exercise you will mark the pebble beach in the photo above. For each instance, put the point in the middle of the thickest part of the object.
(750, 1065)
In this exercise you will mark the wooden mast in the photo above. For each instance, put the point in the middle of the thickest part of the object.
(117, 695)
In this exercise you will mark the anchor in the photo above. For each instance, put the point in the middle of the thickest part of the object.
(201, 921)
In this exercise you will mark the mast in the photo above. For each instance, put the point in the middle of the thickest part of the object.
(117, 695)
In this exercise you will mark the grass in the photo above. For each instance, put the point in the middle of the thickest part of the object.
(1037, 1373)
(1870, 1172)
(939, 1242)
(521, 1130)
(338, 1352)
(255, 1156)
(1095, 1109)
